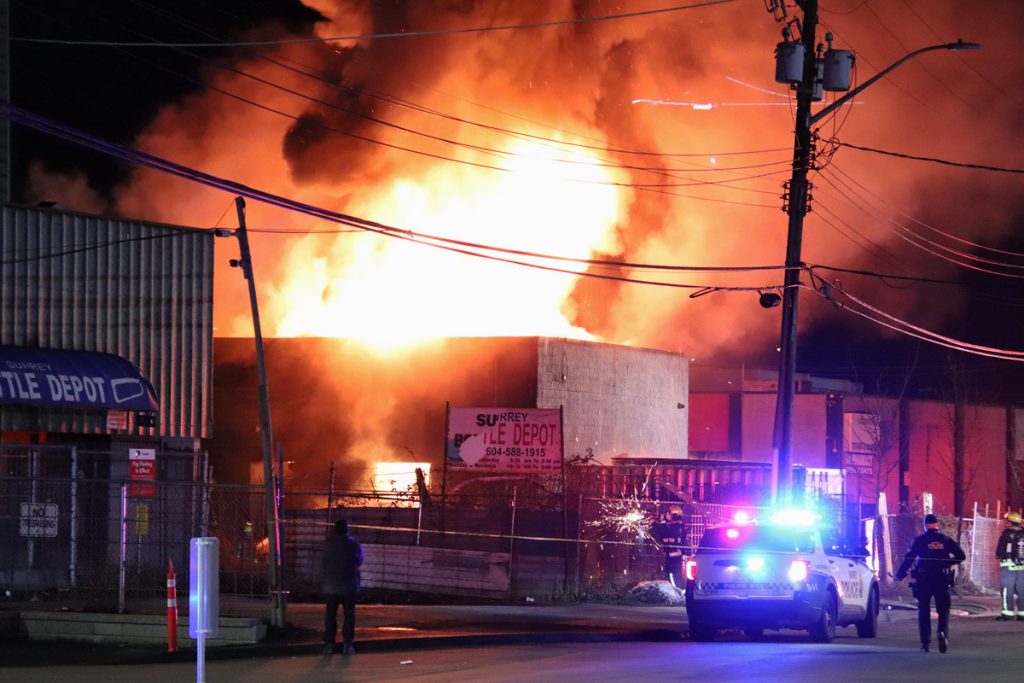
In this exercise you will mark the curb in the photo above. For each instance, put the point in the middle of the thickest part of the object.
(430, 642)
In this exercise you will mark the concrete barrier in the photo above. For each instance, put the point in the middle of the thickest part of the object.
(129, 629)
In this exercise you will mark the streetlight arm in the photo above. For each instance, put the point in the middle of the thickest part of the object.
(959, 45)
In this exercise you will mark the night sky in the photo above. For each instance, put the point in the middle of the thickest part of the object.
(409, 132)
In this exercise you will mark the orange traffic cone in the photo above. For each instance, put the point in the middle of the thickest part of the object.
(172, 609)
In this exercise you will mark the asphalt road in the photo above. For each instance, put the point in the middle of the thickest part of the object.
(980, 650)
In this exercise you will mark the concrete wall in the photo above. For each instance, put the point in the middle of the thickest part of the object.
(618, 400)
(337, 400)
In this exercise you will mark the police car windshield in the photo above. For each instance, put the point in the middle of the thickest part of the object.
(755, 537)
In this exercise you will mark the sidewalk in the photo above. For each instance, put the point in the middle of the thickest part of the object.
(405, 627)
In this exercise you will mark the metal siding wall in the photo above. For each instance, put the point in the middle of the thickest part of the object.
(142, 291)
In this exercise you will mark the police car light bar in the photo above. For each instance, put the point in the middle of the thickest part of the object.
(794, 517)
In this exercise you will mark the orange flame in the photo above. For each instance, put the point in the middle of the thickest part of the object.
(388, 291)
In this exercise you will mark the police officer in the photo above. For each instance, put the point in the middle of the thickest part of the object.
(932, 556)
(1010, 553)
(673, 537)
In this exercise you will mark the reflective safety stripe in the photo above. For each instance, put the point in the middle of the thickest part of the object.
(172, 602)
(170, 583)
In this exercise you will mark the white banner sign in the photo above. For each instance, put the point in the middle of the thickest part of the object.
(504, 439)
(38, 520)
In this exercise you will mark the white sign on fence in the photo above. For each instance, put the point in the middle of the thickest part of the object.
(38, 520)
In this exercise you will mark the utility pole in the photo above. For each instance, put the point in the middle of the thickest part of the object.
(782, 463)
(797, 195)
(277, 598)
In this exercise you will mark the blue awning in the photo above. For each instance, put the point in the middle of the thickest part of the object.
(73, 379)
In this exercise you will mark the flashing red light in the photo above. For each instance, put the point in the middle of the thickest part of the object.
(732, 534)
(691, 570)
(798, 570)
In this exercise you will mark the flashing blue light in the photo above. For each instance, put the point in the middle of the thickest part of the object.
(732, 534)
(741, 517)
(794, 517)
(755, 563)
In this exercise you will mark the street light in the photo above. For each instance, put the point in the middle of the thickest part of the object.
(797, 208)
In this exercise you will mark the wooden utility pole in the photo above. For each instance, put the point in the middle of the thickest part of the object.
(797, 192)
(278, 606)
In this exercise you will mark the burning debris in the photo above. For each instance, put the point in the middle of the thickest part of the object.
(625, 517)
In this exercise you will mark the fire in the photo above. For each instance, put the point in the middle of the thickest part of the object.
(388, 291)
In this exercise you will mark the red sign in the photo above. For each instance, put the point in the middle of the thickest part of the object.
(142, 466)
(505, 439)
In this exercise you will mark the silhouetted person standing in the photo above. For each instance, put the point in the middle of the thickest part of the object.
(932, 556)
(341, 561)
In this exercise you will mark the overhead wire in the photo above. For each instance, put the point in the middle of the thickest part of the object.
(70, 134)
(932, 228)
(384, 35)
(966, 62)
(951, 254)
(922, 65)
(293, 66)
(907, 328)
(650, 187)
(560, 144)
(874, 249)
(934, 160)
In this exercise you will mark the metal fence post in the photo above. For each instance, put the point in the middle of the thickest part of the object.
(974, 541)
(511, 542)
(73, 521)
(123, 549)
(419, 522)
(330, 500)
(33, 496)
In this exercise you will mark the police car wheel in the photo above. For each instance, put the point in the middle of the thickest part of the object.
(702, 633)
(824, 629)
(868, 628)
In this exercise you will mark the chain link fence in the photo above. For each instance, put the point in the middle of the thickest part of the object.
(72, 528)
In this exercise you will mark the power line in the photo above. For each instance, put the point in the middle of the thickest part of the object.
(922, 65)
(932, 228)
(393, 100)
(951, 255)
(648, 187)
(179, 232)
(70, 134)
(934, 160)
(897, 324)
(378, 36)
(965, 62)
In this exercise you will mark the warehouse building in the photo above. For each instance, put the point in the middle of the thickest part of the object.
(106, 340)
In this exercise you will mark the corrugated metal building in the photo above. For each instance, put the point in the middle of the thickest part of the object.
(106, 373)
(140, 291)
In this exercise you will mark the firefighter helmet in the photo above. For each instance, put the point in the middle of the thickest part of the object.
(675, 512)
(1013, 517)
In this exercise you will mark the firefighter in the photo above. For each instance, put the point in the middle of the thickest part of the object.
(931, 559)
(673, 537)
(1010, 553)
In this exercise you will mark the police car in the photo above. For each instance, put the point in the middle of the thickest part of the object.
(778, 574)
